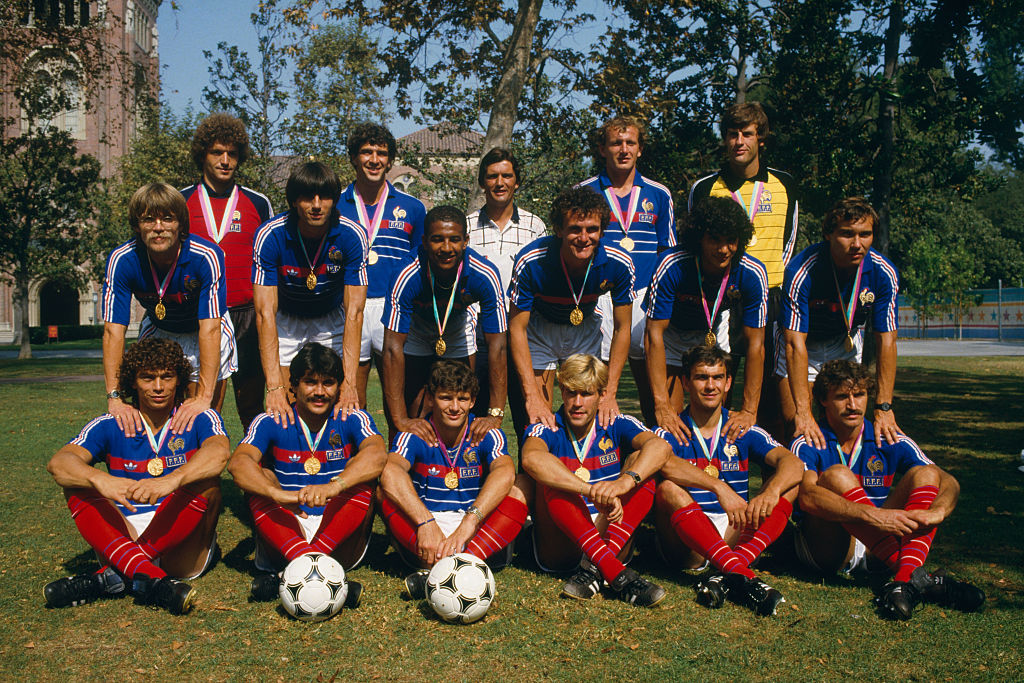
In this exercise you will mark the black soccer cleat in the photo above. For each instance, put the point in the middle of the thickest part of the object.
(711, 591)
(758, 596)
(174, 595)
(637, 590)
(584, 584)
(415, 585)
(265, 587)
(940, 589)
(898, 600)
(355, 594)
(72, 591)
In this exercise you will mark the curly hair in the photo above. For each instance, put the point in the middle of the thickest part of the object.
(578, 201)
(222, 128)
(836, 374)
(158, 199)
(450, 375)
(600, 135)
(739, 116)
(445, 213)
(367, 133)
(153, 353)
(719, 218)
(706, 355)
(848, 211)
(316, 360)
(496, 156)
(583, 372)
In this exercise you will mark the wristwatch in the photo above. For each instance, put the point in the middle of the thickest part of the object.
(884, 407)
(496, 412)
(114, 394)
(474, 510)
(634, 476)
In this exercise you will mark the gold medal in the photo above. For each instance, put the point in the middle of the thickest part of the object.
(711, 471)
(451, 480)
(848, 344)
(440, 347)
(160, 310)
(155, 467)
(627, 243)
(867, 297)
(311, 281)
(311, 465)
(583, 474)
(576, 317)
(372, 257)
(710, 338)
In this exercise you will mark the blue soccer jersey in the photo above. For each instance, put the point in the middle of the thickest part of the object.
(280, 261)
(731, 464)
(399, 234)
(429, 467)
(539, 283)
(653, 226)
(286, 452)
(609, 448)
(811, 303)
(875, 467)
(133, 457)
(410, 302)
(674, 294)
(195, 290)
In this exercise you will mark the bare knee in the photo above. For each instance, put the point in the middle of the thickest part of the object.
(838, 479)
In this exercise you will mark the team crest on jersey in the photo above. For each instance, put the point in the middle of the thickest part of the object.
(605, 444)
(334, 254)
(608, 458)
(175, 460)
(398, 213)
(876, 467)
(235, 227)
(176, 444)
(433, 470)
(336, 454)
(334, 439)
(469, 472)
(875, 464)
(732, 293)
(648, 206)
(866, 296)
(605, 285)
(469, 456)
(191, 283)
(237, 215)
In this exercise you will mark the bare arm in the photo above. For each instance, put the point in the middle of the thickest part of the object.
(819, 501)
(885, 421)
(654, 351)
(537, 408)
(265, 302)
(684, 473)
(623, 317)
(209, 368)
(207, 463)
(497, 353)
(788, 470)
(128, 418)
(71, 468)
(354, 298)
(398, 487)
(743, 419)
(650, 455)
(796, 368)
(548, 470)
(394, 388)
(365, 466)
(497, 484)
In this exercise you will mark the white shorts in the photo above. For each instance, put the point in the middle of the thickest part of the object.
(140, 522)
(293, 332)
(449, 520)
(803, 552)
(551, 343)
(189, 342)
(309, 525)
(819, 353)
(678, 343)
(459, 337)
(636, 328)
(372, 338)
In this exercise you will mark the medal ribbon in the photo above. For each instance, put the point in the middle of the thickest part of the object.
(856, 449)
(708, 454)
(451, 299)
(444, 449)
(583, 287)
(755, 199)
(711, 315)
(215, 231)
(309, 439)
(613, 204)
(312, 264)
(157, 442)
(161, 287)
(588, 441)
(373, 226)
(851, 308)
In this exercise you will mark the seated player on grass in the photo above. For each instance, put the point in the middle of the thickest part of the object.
(851, 505)
(451, 497)
(309, 481)
(594, 487)
(152, 516)
(702, 512)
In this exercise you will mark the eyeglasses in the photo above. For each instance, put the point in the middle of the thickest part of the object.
(150, 221)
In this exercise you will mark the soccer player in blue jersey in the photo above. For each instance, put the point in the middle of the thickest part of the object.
(450, 495)
(703, 511)
(694, 292)
(643, 225)
(309, 484)
(152, 516)
(309, 284)
(593, 487)
(853, 506)
(556, 283)
(832, 289)
(393, 222)
(427, 317)
(179, 280)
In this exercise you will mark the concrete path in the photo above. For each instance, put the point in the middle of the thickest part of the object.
(950, 347)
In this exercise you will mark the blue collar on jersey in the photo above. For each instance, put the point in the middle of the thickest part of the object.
(831, 438)
(604, 181)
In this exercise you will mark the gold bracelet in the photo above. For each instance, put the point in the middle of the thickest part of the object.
(275, 388)
(339, 480)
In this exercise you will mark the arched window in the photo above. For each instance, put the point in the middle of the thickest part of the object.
(53, 95)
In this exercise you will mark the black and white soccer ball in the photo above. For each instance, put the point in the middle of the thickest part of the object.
(461, 588)
(313, 587)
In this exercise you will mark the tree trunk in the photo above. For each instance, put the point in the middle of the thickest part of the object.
(504, 108)
(886, 127)
(741, 77)
(21, 301)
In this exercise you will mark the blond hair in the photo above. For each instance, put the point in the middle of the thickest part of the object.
(158, 200)
(583, 372)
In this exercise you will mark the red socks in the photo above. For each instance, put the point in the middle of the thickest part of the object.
(342, 517)
(400, 526)
(103, 527)
(177, 517)
(754, 541)
(570, 514)
(695, 530)
(917, 546)
(278, 527)
(499, 528)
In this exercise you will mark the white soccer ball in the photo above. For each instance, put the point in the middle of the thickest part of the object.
(313, 587)
(461, 588)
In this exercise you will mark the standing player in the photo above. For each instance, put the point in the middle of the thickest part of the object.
(853, 504)
(832, 289)
(451, 495)
(310, 485)
(426, 317)
(153, 515)
(309, 284)
(702, 509)
(393, 222)
(643, 225)
(689, 304)
(228, 214)
(769, 198)
(555, 286)
(179, 279)
(594, 487)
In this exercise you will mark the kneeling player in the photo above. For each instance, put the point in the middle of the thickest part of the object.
(702, 513)
(153, 515)
(310, 493)
(594, 487)
(451, 497)
(851, 505)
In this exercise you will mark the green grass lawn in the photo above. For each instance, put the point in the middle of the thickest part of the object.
(966, 414)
